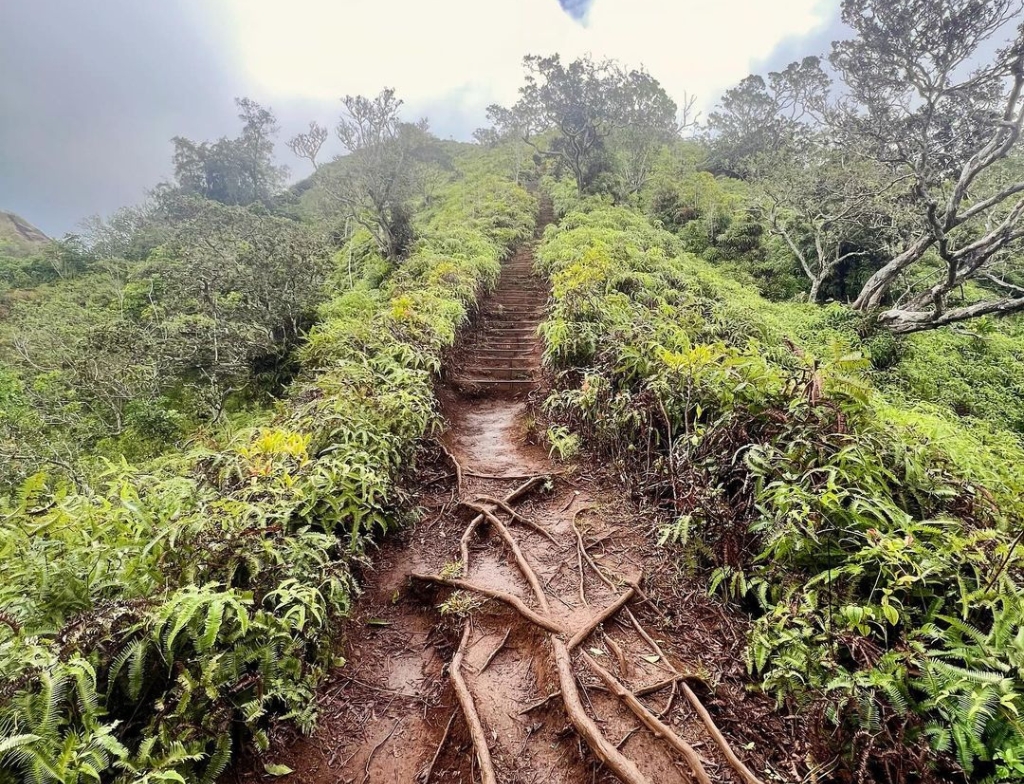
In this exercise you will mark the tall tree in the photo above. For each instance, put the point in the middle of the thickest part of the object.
(829, 207)
(375, 182)
(584, 103)
(308, 145)
(758, 118)
(236, 171)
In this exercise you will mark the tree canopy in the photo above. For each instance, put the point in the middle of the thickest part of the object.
(922, 109)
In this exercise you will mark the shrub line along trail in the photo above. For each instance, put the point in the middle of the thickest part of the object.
(544, 663)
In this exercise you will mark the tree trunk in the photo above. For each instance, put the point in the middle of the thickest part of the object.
(903, 322)
(815, 293)
(877, 286)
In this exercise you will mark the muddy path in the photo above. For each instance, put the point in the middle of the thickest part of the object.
(446, 684)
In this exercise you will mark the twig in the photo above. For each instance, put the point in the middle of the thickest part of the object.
(424, 775)
(458, 467)
(540, 703)
(668, 703)
(572, 498)
(369, 758)
(497, 650)
(579, 565)
(617, 650)
(1005, 561)
(626, 737)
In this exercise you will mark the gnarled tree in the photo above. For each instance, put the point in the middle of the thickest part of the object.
(376, 180)
(930, 102)
(926, 108)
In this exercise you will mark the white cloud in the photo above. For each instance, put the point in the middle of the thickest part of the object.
(453, 57)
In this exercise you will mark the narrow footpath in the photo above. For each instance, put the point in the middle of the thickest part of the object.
(509, 635)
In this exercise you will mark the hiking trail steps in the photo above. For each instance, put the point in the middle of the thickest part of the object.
(476, 690)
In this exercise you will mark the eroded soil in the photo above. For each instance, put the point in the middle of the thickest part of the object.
(391, 715)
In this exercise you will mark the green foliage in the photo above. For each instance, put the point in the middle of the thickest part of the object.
(155, 619)
(238, 171)
(873, 539)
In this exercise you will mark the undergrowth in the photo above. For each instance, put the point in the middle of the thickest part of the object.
(873, 538)
(150, 625)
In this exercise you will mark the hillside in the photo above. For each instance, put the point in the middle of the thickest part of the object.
(18, 237)
(584, 452)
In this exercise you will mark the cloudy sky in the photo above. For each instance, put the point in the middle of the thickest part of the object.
(92, 92)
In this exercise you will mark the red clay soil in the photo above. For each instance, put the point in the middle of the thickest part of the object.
(391, 713)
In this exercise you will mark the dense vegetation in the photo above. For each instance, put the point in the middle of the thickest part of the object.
(157, 613)
(875, 542)
(797, 334)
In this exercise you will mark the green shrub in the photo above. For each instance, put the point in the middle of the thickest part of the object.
(874, 540)
(152, 622)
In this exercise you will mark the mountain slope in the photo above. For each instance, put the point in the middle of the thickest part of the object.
(18, 237)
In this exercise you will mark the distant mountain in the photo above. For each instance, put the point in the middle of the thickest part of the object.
(18, 237)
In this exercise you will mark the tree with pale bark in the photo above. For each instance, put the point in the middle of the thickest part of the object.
(928, 95)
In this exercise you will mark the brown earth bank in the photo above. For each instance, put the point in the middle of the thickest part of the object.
(528, 628)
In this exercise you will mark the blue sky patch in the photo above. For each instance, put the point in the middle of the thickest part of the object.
(577, 9)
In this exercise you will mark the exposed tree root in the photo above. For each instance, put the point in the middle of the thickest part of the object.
(424, 775)
(600, 618)
(478, 475)
(462, 692)
(468, 705)
(745, 774)
(602, 748)
(562, 646)
(512, 513)
(512, 601)
(651, 721)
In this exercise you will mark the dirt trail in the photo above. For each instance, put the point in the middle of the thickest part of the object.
(392, 714)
